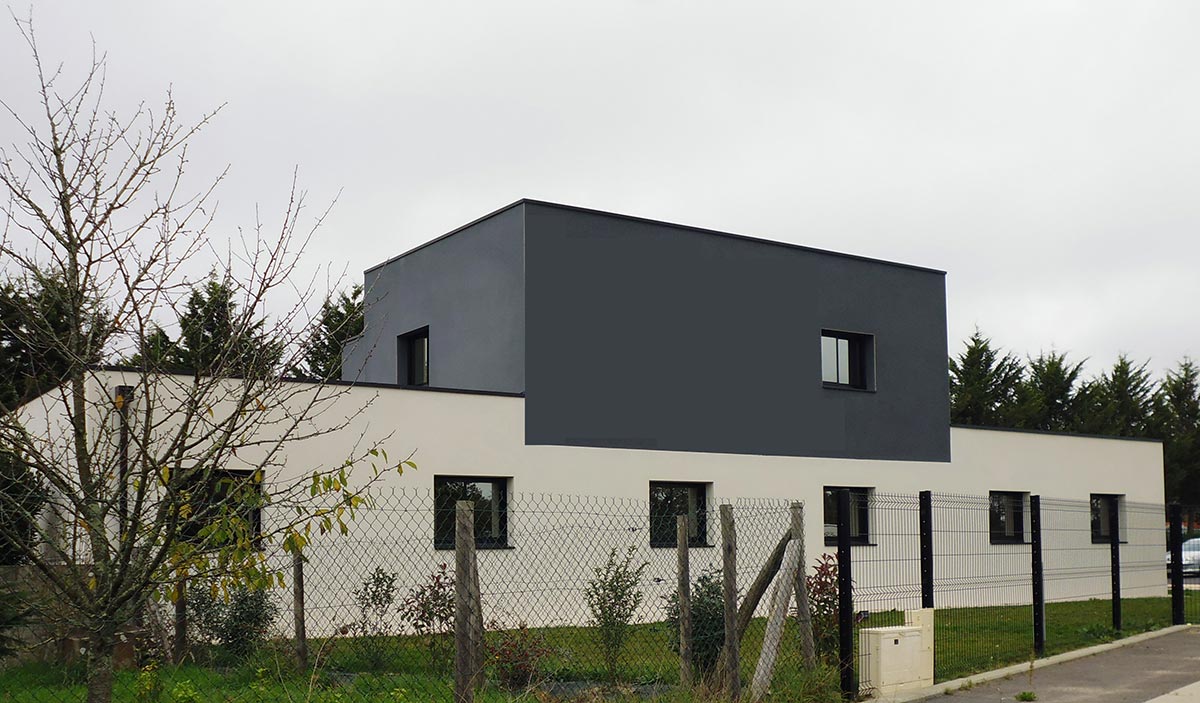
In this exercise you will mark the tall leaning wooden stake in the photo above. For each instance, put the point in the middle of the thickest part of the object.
(808, 646)
(733, 683)
(773, 633)
(464, 552)
(684, 589)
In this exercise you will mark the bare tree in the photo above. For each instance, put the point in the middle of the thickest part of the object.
(131, 466)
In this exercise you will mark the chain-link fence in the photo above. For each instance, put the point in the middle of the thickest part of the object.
(577, 600)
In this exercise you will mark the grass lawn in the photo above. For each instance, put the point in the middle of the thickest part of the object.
(968, 641)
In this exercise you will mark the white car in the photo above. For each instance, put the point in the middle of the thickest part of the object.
(1191, 556)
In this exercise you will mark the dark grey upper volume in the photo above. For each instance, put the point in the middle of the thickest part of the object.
(469, 288)
(630, 333)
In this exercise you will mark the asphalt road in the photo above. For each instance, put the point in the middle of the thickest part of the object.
(1132, 674)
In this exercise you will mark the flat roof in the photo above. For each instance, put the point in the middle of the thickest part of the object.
(1055, 433)
(645, 220)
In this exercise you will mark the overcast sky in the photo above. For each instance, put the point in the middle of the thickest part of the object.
(1045, 154)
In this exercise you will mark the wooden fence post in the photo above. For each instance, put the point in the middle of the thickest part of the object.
(464, 552)
(733, 681)
(808, 647)
(298, 611)
(775, 619)
(477, 643)
(179, 646)
(684, 592)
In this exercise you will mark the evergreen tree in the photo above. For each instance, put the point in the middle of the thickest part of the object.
(22, 499)
(1119, 402)
(340, 320)
(1177, 421)
(1047, 394)
(34, 316)
(983, 385)
(209, 338)
(158, 350)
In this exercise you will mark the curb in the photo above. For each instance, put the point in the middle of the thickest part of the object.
(956, 684)
(1187, 694)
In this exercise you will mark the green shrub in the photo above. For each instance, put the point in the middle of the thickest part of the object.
(708, 621)
(823, 603)
(186, 692)
(375, 599)
(149, 685)
(238, 622)
(613, 596)
(429, 609)
(517, 656)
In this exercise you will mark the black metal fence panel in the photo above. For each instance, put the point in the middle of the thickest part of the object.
(1011, 576)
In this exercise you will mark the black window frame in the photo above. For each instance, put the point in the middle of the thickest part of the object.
(216, 491)
(860, 351)
(407, 359)
(860, 503)
(663, 530)
(1097, 517)
(997, 530)
(444, 515)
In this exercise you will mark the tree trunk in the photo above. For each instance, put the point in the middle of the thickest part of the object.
(100, 646)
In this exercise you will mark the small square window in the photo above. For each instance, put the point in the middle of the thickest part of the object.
(860, 515)
(228, 494)
(490, 496)
(847, 360)
(670, 499)
(1006, 517)
(413, 358)
(1103, 506)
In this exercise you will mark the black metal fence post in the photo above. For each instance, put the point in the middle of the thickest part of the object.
(1038, 573)
(845, 599)
(926, 526)
(1175, 545)
(1114, 541)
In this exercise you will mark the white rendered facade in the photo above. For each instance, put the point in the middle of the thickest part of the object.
(466, 434)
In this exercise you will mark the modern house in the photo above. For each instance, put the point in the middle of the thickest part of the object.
(553, 350)
(601, 354)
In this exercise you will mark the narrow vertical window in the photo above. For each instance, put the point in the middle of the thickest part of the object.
(1103, 506)
(413, 358)
(418, 355)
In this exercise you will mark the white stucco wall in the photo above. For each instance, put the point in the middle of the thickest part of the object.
(480, 435)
